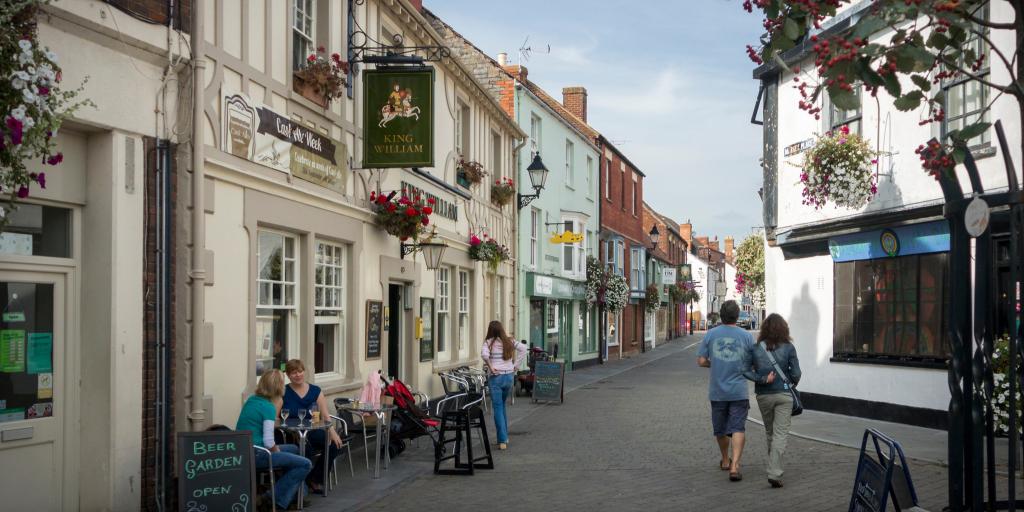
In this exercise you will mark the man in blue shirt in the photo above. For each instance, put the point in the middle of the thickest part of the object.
(722, 350)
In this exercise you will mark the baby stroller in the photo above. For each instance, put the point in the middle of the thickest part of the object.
(525, 378)
(410, 420)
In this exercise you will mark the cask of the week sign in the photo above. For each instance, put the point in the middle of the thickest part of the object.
(398, 118)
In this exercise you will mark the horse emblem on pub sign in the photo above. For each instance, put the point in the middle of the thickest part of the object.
(399, 104)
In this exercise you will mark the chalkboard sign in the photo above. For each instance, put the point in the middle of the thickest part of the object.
(549, 381)
(374, 323)
(882, 475)
(215, 471)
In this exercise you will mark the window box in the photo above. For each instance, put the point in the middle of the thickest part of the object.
(308, 91)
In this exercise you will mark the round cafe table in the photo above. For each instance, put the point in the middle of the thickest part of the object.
(383, 414)
(302, 428)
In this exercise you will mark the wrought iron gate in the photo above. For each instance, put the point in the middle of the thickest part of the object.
(975, 480)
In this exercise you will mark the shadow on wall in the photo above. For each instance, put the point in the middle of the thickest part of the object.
(803, 322)
(889, 194)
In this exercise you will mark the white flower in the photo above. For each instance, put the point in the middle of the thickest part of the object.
(23, 75)
(25, 58)
(29, 97)
(18, 113)
(51, 56)
(18, 83)
(25, 44)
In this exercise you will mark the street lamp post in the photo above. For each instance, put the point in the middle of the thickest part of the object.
(655, 237)
(538, 176)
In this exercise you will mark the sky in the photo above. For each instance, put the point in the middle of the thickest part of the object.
(668, 82)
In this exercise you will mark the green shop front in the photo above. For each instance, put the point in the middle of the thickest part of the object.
(561, 320)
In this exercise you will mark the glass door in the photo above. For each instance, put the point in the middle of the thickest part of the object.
(32, 412)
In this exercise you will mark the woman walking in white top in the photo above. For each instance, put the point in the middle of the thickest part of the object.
(497, 352)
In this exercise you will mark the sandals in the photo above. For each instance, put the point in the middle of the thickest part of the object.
(735, 476)
(725, 467)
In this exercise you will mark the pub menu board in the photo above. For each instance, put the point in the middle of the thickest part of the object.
(216, 471)
(549, 381)
(427, 340)
(374, 326)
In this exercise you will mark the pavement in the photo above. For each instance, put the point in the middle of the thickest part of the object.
(636, 433)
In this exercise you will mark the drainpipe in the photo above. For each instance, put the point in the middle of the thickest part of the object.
(515, 223)
(197, 416)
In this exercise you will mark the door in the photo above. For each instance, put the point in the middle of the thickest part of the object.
(394, 364)
(32, 391)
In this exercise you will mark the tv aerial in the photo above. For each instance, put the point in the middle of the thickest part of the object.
(525, 51)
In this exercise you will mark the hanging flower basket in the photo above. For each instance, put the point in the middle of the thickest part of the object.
(502, 192)
(606, 288)
(322, 79)
(472, 172)
(653, 300)
(1000, 398)
(838, 169)
(488, 250)
(32, 103)
(402, 216)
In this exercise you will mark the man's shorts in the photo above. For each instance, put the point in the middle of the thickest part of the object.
(729, 417)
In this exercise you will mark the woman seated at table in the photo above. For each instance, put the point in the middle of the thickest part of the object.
(299, 394)
(258, 416)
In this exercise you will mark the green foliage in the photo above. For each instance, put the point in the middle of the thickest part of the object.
(605, 288)
(33, 104)
(653, 299)
(1000, 398)
(402, 216)
(489, 251)
(750, 264)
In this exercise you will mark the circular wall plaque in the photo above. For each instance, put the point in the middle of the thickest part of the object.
(976, 217)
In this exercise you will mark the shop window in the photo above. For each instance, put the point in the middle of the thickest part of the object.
(584, 327)
(276, 301)
(612, 334)
(329, 308)
(891, 308)
(552, 327)
(443, 308)
(463, 313)
(37, 230)
(27, 351)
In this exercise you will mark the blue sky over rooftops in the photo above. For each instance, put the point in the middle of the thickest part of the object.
(668, 82)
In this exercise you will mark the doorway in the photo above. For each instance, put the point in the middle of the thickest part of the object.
(33, 411)
(394, 363)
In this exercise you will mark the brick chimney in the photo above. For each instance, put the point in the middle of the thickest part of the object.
(730, 245)
(714, 244)
(686, 232)
(703, 240)
(418, 4)
(520, 72)
(575, 101)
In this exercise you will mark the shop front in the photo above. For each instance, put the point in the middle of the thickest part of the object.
(561, 321)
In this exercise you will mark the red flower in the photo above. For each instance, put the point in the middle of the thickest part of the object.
(16, 129)
(411, 212)
(427, 210)
(23, 192)
(335, 57)
(41, 179)
(373, 196)
(430, 200)
(426, 220)
(474, 240)
(311, 59)
(404, 238)
(392, 207)
(55, 159)
(320, 49)
(404, 200)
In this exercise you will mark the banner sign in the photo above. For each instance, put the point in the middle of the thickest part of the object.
(398, 118)
(668, 276)
(685, 273)
(924, 238)
(259, 134)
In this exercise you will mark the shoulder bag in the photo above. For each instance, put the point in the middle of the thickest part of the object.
(798, 406)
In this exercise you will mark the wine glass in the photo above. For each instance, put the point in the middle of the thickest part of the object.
(302, 415)
(284, 416)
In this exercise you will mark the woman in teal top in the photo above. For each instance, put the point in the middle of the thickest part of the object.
(258, 416)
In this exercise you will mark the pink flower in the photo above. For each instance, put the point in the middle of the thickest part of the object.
(23, 192)
(311, 59)
(55, 159)
(16, 130)
(41, 179)
(474, 240)
(43, 90)
(845, 130)
(335, 57)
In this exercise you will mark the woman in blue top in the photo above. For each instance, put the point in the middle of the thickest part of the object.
(299, 394)
(773, 396)
(258, 416)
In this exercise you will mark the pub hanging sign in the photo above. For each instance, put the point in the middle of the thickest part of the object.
(398, 118)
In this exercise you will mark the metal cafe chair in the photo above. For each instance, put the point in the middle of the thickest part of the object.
(347, 439)
(268, 471)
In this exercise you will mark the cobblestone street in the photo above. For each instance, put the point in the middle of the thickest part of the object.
(641, 439)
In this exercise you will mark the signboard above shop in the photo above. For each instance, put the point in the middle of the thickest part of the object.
(924, 238)
(398, 117)
(256, 133)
